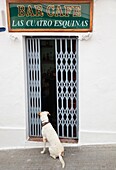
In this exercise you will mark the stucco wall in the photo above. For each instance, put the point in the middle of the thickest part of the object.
(12, 96)
(98, 78)
(97, 82)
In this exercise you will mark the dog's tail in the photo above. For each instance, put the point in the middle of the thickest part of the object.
(61, 160)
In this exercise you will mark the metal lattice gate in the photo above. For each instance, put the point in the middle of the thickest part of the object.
(67, 87)
(33, 85)
(66, 50)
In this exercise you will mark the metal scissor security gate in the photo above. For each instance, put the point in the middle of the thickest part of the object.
(67, 87)
(66, 57)
(33, 85)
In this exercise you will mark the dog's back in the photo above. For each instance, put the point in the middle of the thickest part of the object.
(52, 137)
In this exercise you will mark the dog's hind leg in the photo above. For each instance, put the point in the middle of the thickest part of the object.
(61, 160)
(44, 148)
(52, 154)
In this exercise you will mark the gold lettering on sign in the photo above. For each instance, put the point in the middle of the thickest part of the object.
(21, 10)
(38, 9)
(29, 11)
(68, 10)
(59, 11)
(51, 10)
(77, 11)
(48, 9)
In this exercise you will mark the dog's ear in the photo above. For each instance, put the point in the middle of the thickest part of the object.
(48, 113)
(39, 113)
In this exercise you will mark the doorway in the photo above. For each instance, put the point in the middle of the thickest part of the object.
(52, 84)
(48, 79)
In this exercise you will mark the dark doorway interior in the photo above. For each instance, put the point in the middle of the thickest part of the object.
(48, 79)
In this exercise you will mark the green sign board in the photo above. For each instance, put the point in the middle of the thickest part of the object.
(50, 16)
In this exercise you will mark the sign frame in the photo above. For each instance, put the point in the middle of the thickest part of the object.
(8, 2)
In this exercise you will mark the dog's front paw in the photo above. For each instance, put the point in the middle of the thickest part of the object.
(42, 152)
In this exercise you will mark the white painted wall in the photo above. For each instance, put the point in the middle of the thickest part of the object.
(12, 96)
(98, 77)
(97, 85)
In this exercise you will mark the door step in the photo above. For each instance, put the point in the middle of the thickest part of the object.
(63, 140)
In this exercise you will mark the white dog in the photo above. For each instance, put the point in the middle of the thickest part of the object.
(49, 134)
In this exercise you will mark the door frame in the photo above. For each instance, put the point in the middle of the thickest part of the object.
(53, 38)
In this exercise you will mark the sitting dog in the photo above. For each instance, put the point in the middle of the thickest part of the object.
(49, 134)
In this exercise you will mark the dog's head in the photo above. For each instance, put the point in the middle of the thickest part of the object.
(44, 116)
